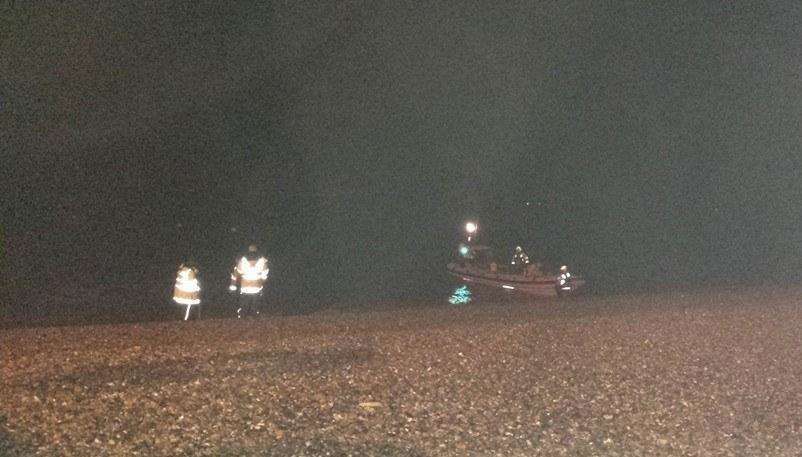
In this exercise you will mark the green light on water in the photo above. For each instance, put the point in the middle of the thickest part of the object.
(460, 296)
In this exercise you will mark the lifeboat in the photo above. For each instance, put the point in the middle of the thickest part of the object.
(478, 271)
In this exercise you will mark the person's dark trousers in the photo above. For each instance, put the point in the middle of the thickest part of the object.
(194, 312)
(248, 305)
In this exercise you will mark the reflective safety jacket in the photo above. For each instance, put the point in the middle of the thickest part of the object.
(187, 287)
(251, 273)
(520, 258)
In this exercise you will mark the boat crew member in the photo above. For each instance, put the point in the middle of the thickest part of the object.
(187, 291)
(564, 273)
(249, 276)
(519, 260)
(564, 281)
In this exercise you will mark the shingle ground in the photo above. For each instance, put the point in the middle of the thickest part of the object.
(669, 373)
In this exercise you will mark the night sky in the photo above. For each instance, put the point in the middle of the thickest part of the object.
(351, 140)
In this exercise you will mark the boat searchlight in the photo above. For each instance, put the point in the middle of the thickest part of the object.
(470, 228)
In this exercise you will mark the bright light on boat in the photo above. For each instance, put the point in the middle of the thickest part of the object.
(507, 287)
(470, 227)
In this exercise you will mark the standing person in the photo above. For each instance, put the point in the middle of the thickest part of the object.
(249, 276)
(564, 285)
(187, 291)
(519, 260)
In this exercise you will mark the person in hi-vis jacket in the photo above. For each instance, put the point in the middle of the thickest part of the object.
(187, 290)
(248, 277)
(519, 260)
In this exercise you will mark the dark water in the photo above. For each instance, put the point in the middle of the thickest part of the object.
(71, 303)
(464, 294)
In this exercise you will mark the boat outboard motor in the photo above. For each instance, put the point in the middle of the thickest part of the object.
(565, 282)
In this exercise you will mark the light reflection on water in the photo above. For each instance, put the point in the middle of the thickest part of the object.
(460, 295)
(464, 294)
